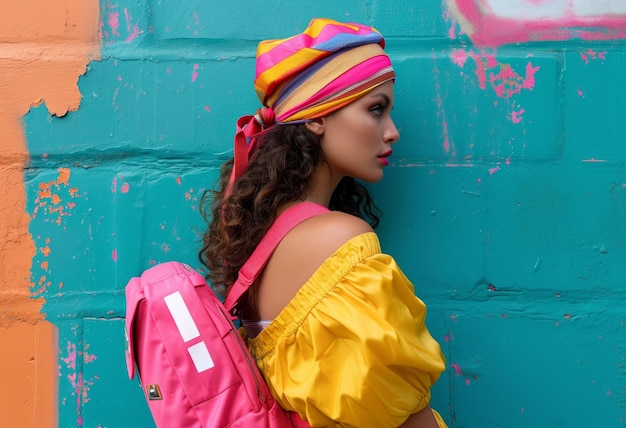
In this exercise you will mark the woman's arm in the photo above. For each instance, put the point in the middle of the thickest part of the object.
(422, 419)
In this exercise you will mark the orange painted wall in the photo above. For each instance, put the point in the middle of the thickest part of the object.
(44, 48)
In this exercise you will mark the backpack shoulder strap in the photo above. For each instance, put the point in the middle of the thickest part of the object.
(248, 273)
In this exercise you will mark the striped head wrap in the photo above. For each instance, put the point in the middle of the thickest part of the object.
(310, 75)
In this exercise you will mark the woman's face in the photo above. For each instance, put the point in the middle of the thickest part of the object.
(357, 139)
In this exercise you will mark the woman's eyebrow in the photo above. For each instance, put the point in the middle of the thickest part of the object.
(384, 96)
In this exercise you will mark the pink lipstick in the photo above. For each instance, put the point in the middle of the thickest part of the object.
(383, 158)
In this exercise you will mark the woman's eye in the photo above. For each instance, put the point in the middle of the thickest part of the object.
(378, 109)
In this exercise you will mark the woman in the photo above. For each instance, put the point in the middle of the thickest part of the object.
(332, 322)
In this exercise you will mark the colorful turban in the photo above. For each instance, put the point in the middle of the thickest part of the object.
(310, 75)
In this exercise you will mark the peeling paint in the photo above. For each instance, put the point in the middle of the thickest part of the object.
(46, 47)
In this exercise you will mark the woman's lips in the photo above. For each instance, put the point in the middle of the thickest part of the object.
(383, 158)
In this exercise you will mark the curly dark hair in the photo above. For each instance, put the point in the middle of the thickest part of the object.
(280, 172)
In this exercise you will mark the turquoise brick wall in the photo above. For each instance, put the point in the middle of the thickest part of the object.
(505, 201)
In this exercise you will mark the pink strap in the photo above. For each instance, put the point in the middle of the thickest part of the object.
(253, 266)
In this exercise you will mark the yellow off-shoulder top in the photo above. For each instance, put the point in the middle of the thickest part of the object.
(351, 349)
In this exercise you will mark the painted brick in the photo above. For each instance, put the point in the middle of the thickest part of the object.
(463, 107)
(125, 23)
(76, 231)
(106, 378)
(593, 98)
(436, 233)
(424, 19)
(134, 103)
(247, 21)
(552, 209)
(539, 361)
(173, 226)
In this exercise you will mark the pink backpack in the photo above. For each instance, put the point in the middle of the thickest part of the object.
(193, 365)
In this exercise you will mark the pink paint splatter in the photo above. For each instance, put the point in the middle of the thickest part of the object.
(505, 82)
(467, 382)
(132, 36)
(194, 74)
(80, 386)
(114, 255)
(125, 188)
(447, 146)
(456, 368)
(179, 181)
(481, 74)
(590, 54)
(70, 360)
(516, 116)
(114, 185)
(129, 25)
(114, 22)
(459, 56)
(492, 171)
(446, 138)
(88, 358)
(207, 109)
(529, 80)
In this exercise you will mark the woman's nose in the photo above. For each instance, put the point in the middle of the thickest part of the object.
(391, 132)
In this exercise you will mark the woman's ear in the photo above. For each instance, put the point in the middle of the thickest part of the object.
(316, 126)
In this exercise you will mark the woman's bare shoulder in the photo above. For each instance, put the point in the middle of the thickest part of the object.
(300, 254)
(329, 231)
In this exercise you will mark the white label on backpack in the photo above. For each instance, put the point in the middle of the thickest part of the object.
(182, 317)
(201, 357)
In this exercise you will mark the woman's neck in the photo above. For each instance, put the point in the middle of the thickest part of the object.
(322, 186)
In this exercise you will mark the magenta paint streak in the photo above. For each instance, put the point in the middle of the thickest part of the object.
(114, 255)
(593, 55)
(132, 29)
(502, 78)
(489, 29)
(114, 22)
(75, 377)
(516, 116)
(125, 188)
(529, 80)
(441, 112)
(194, 74)
(459, 56)
(456, 368)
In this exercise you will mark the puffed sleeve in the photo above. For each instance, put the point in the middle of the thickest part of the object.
(352, 348)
